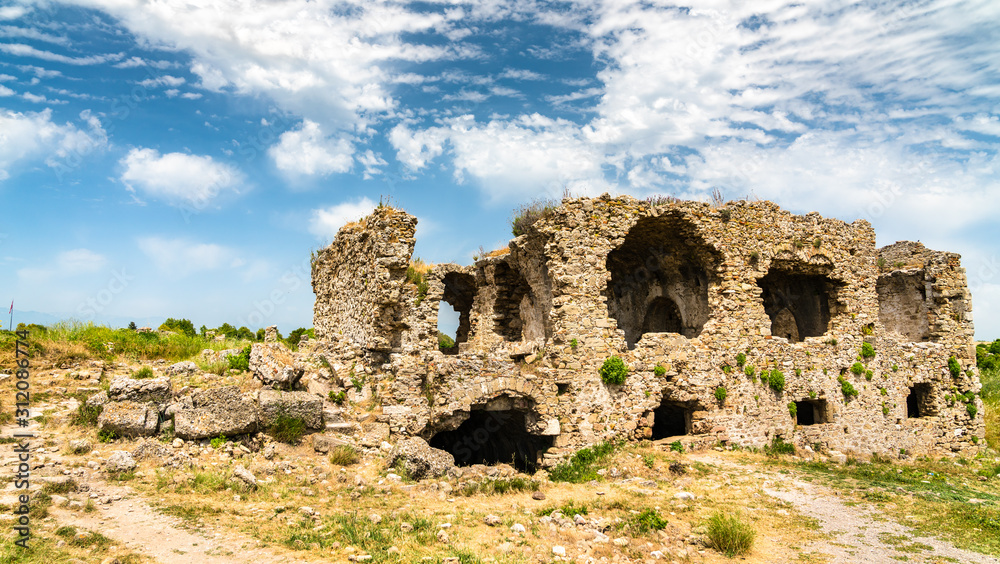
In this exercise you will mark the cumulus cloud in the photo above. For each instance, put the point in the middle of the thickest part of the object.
(325, 222)
(178, 178)
(33, 135)
(181, 257)
(307, 151)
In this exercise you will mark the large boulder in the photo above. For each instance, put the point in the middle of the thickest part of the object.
(156, 390)
(302, 405)
(129, 419)
(420, 459)
(273, 364)
(217, 411)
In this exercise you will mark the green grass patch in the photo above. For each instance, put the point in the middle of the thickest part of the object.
(731, 534)
(582, 466)
(499, 486)
(287, 429)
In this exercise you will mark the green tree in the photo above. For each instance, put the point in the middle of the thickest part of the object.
(183, 326)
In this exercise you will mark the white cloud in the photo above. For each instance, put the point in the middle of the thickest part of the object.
(165, 80)
(325, 222)
(4, 91)
(22, 50)
(134, 62)
(33, 135)
(307, 151)
(191, 95)
(12, 12)
(65, 264)
(178, 178)
(181, 257)
(31, 33)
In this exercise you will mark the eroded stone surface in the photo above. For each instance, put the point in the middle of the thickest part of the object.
(301, 405)
(129, 419)
(274, 365)
(217, 411)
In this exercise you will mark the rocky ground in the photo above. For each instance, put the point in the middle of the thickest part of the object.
(252, 498)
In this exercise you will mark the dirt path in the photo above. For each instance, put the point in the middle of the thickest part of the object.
(857, 533)
(131, 521)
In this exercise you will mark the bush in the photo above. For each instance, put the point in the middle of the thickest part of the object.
(954, 367)
(287, 429)
(182, 326)
(580, 467)
(793, 409)
(750, 370)
(720, 394)
(971, 409)
(613, 371)
(847, 388)
(867, 351)
(143, 373)
(857, 369)
(776, 380)
(648, 520)
(415, 275)
(337, 397)
(779, 446)
(659, 371)
(218, 441)
(241, 361)
(741, 359)
(445, 342)
(344, 455)
(731, 535)
(499, 486)
(528, 214)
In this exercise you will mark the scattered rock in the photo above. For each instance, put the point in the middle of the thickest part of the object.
(492, 520)
(538, 495)
(181, 368)
(150, 448)
(684, 496)
(97, 400)
(518, 528)
(80, 446)
(374, 434)
(559, 550)
(244, 475)
(120, 461)
(325, 443)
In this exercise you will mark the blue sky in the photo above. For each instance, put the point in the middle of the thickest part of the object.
(183, 158)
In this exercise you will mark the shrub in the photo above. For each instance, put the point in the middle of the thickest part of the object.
(971, 408)
(726, 369)
(445, 342)
(287, 429)
(659, 371)
(857, 369)
(182, 326)
(817, 243)
(793, 409)
(613, 371)
(869, 375)
(847, 388)
(344, 455)
(720, 394)
(580, 467)
(731, 535)
(750, 370)
(415, 276)
(218, 441)
(528, 214)
(954, 367)
(779, 446)
(776, 380)
(867, 351)
(240, 361)
(337, 397)
(648, 520)
(677, 446)
(499, 486)
(573, 343)
(143, 373)
(741, 359)
(107, 436)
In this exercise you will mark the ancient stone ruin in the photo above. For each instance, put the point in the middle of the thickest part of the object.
(739, 324)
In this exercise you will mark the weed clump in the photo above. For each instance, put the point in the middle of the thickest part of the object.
(143, 373)
(731, 535)
(528, 214)
(287, 429)
(344, 455)
(240, 361)
(581, 466)
(613, 371)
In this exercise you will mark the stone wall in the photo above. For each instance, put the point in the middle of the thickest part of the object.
(693, 298)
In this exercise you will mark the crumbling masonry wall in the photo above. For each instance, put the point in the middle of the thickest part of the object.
(693, 298)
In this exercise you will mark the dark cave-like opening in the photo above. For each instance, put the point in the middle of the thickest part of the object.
(493, 437)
